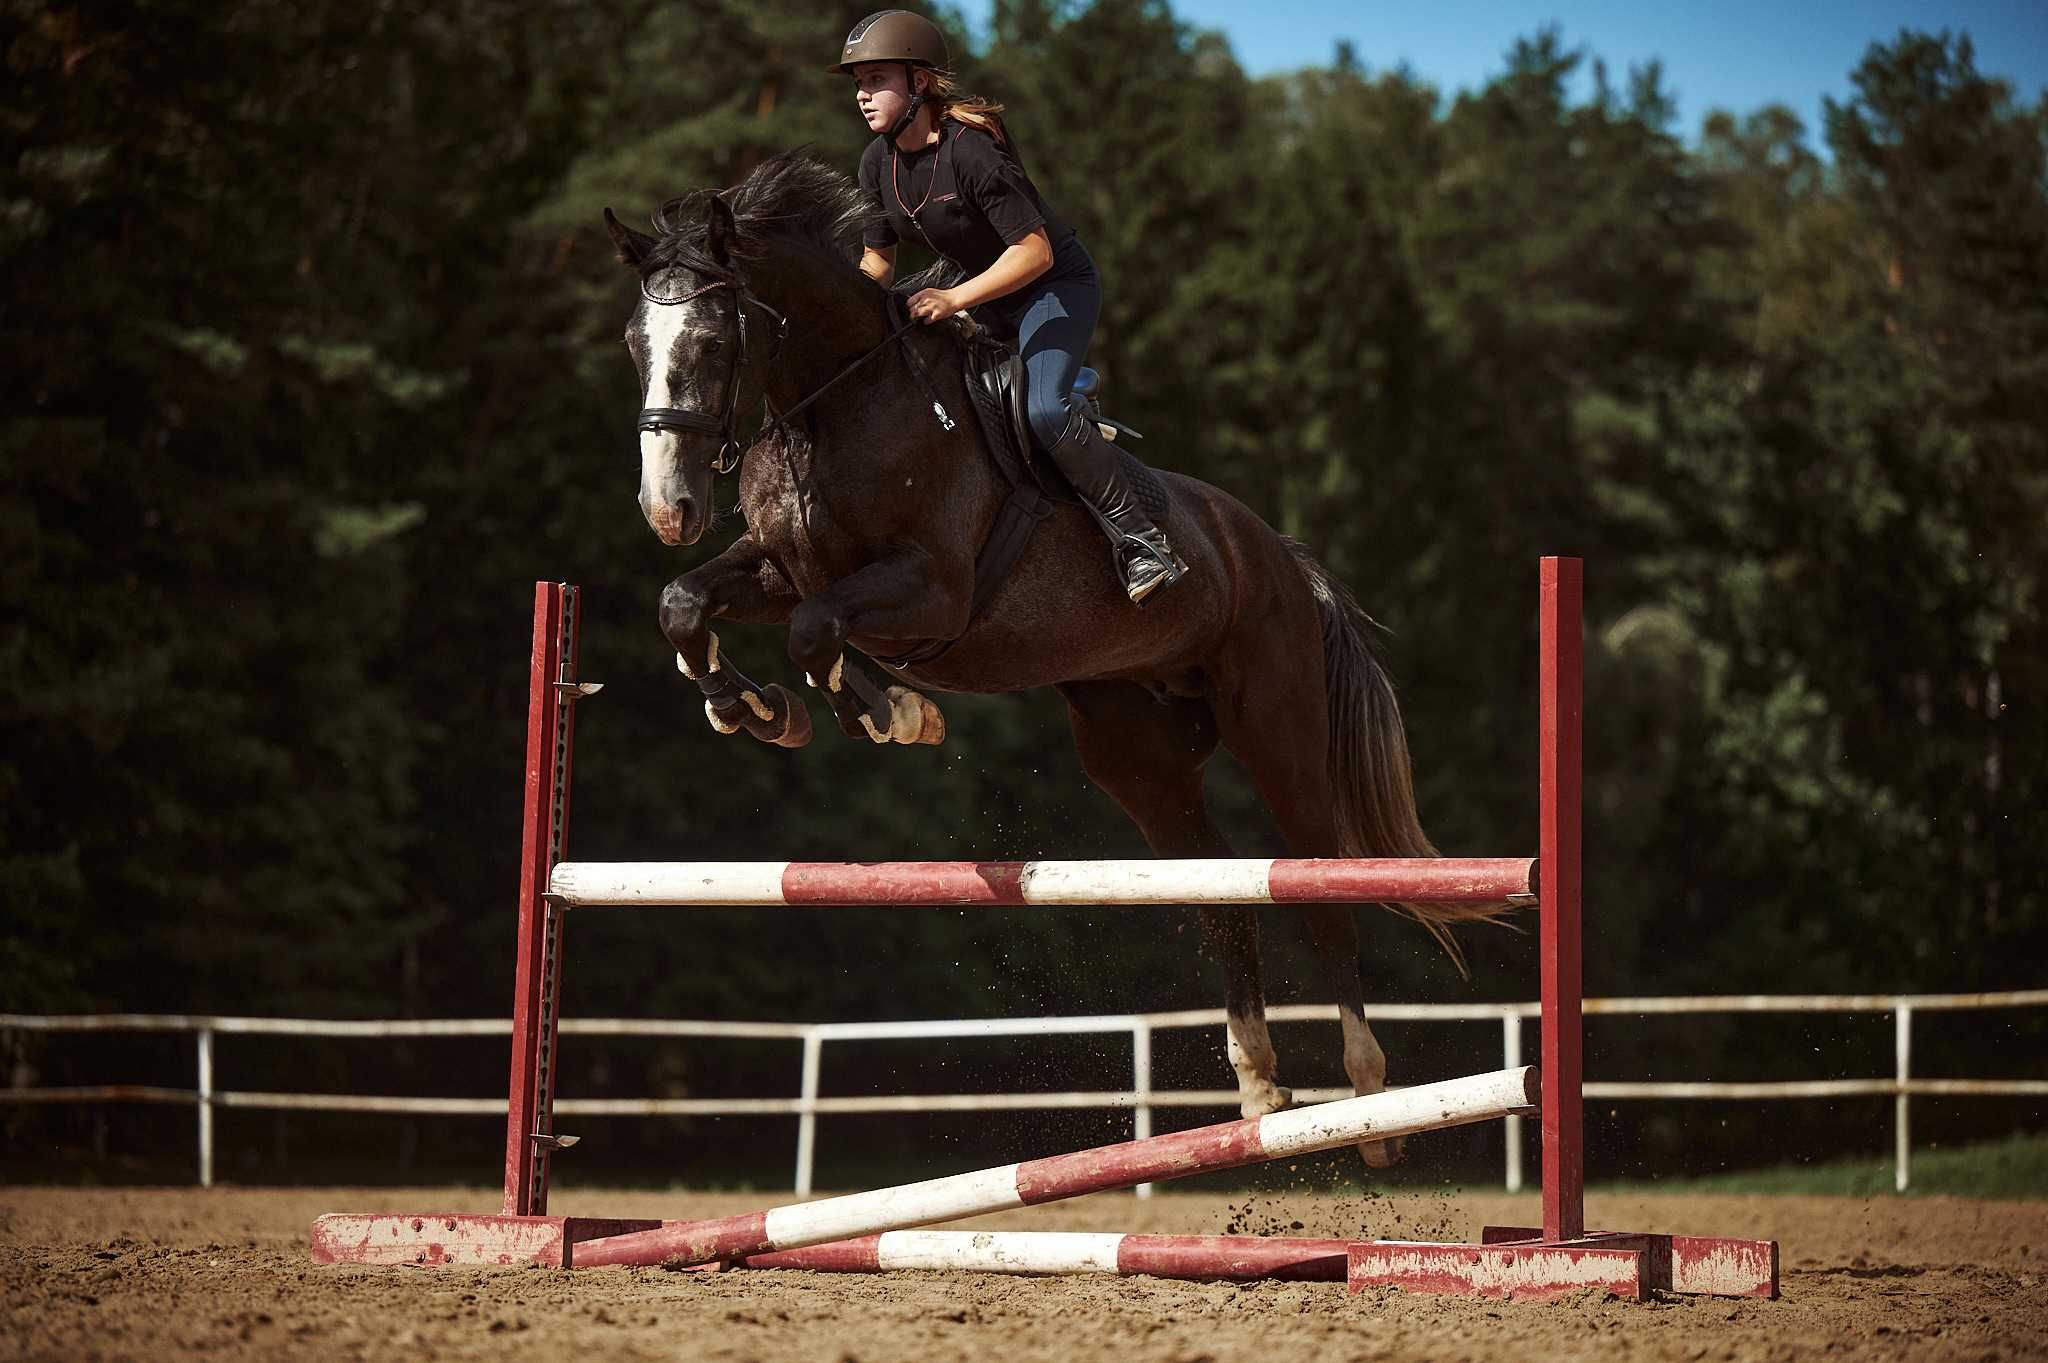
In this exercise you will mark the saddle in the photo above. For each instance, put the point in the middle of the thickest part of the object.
(995, 378)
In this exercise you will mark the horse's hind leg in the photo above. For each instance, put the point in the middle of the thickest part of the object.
(1334, 932)
(1148, 756)
(1232, 933)
(1274, 718)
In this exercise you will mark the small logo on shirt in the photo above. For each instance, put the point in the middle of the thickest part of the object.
(943, 197)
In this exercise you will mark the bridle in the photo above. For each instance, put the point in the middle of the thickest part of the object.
(659, 419)
(729, 451)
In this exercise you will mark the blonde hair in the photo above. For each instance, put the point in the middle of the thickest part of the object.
(972, 110)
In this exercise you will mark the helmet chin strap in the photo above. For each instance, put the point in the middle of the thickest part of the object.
(910, 111)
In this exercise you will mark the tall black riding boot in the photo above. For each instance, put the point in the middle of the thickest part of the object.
(1144, 561)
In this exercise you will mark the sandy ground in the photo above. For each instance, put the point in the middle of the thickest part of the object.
(171, 1273)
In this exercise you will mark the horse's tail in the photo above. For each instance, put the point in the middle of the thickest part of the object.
(1370, 771)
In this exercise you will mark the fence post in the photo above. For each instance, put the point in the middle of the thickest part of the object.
(206, 1107)
(1511, 1059)
(1902, 1022)
(1141, 1089)
(807, 1115)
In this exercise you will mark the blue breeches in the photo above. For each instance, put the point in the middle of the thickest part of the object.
(1051, 320)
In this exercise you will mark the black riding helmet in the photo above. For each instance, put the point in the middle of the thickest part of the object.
(897, 35)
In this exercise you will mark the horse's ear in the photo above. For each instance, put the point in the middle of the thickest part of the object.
(718, 230)
(633, 246)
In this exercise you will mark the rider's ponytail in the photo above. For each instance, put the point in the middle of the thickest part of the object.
(972, 110)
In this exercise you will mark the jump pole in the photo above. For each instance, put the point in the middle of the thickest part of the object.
(1208, 1149)
(1202, 1258)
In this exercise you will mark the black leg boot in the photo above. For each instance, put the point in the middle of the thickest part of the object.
(1144, 561)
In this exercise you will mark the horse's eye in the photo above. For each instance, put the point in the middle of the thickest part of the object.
(716, 343)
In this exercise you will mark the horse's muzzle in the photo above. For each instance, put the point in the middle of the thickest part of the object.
(674, 523)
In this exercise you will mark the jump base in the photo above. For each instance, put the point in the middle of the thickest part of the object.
(1532, 1272)
(1515, 1262)
(459, 1239)
(1690, 1265)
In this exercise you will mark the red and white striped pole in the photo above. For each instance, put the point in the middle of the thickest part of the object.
(1139, 883)
(1234, 1258)
(1228, 1145)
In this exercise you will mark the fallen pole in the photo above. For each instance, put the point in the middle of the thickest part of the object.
(1229, 1258)
(913, 884)
(1228, 1145)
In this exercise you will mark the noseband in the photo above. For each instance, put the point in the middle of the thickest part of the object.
(680, 419)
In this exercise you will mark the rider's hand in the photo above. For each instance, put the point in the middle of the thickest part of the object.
(933, 305)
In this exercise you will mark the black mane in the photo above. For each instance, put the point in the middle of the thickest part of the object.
(791, 197)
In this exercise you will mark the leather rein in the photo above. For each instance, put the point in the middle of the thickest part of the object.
(729, 451)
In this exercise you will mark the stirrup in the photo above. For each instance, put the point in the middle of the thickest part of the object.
(1146, 562)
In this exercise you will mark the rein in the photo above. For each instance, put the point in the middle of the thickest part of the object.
(826, 387)
(729, 451)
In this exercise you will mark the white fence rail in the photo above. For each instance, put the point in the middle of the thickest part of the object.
(1141, 1097)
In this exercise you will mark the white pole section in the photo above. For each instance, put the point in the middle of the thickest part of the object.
(1511, 1058)
(1141, 1090)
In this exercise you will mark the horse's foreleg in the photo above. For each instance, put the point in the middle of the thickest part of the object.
(740, 584)
(897, 597)
(1274, 715)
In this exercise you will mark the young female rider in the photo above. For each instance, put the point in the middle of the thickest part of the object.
(943, 172)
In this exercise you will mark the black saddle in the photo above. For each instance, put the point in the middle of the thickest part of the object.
(995, 380)
(994, 373)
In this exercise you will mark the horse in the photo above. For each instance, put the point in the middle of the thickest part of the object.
(866, 504)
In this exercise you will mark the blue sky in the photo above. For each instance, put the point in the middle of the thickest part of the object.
(1736, 54)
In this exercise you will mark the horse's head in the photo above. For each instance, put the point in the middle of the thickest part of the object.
(699, 330)
(688, 337)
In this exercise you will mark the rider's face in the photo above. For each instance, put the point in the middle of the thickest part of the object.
(880, 93)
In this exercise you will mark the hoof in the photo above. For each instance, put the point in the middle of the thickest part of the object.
(913, 719)
(1266, 1099)
(1382, 1154)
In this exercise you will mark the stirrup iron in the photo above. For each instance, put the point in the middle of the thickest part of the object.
(1145, 562)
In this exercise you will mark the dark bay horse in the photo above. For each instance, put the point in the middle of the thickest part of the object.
(865, 513)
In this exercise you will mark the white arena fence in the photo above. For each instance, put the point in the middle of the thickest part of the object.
(1141, 1098)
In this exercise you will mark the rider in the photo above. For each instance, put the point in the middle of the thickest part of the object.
(943, 172)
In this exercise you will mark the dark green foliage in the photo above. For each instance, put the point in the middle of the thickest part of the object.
(311, 343)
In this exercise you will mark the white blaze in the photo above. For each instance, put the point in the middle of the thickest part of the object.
(662, 327)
